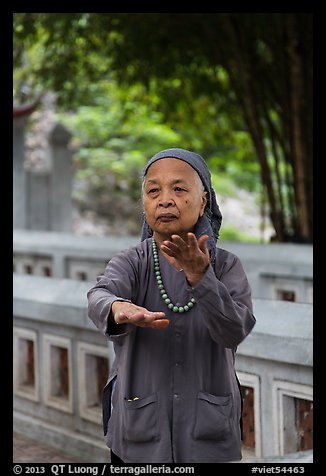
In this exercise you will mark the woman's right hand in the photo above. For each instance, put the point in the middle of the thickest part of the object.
(128, 313)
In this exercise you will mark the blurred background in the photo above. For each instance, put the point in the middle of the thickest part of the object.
(95, 96)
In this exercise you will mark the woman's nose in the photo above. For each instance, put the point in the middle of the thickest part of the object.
(166, 200)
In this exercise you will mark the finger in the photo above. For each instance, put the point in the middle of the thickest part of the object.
(202, 243)
(146, 317)
(135, 316)
(160, 324)
(169, 248)
(192, 241)
(153, 316)
(157, 324)
(179, 242)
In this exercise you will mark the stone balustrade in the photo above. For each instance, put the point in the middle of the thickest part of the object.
(275, 271)
(61, 362)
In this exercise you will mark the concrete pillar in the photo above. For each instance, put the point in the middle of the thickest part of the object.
(19, 179)
(38, 200)
(61, 179)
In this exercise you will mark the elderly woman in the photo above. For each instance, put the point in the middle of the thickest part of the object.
(175, 307)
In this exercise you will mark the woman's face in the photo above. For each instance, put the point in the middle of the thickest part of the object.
(173, 198)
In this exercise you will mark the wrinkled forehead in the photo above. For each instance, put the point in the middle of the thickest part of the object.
(171, 167)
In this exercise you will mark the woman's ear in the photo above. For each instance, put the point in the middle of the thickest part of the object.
(203, 204)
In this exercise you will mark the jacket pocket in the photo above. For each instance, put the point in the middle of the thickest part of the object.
(141, 419)
(212, 421)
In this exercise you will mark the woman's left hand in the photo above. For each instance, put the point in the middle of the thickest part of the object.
(191, 255)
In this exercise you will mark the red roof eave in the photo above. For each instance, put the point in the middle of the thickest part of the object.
(26, 109)
(23, 110)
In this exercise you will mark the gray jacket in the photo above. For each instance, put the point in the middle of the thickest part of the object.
(176, 394)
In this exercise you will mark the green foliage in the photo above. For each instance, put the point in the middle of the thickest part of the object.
(230, 233)
(212, 81)
(115, 137)
(113, 140)
(73, 54)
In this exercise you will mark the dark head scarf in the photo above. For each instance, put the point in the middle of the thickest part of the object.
(209, 224)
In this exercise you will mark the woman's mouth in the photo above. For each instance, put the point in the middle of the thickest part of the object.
(166, 217)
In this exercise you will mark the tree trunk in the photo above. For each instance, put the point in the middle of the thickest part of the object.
(249, 104)
(298, 143)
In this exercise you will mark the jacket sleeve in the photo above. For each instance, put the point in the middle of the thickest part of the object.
(225, 303)
(117, 284)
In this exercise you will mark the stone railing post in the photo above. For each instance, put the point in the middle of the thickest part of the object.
(19, 179)
(61, 179)
(38, 200)
(21, 114)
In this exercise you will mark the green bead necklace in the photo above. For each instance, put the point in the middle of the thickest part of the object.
(160, 285)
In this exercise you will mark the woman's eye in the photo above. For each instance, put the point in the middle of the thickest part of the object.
(179, 189)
